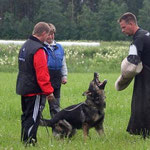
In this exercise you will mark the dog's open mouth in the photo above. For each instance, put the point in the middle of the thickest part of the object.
(101, 85)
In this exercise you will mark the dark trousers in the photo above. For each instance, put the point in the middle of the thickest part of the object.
(31, 112)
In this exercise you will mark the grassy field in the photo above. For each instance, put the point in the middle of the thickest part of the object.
(116, 118)
(81, 62)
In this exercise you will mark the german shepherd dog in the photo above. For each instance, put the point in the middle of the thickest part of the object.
(85, 115)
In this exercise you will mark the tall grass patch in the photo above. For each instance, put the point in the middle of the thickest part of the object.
(104, 58)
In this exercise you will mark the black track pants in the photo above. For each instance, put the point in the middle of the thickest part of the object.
(31, 112)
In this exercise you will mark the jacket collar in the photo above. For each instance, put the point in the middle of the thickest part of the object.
(35, 39)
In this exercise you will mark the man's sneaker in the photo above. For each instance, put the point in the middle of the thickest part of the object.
(31, 142)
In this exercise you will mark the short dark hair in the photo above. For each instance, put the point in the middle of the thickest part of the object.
(40, 27)
(128, 17)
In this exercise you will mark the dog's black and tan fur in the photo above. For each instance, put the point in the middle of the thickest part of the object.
(83, 115)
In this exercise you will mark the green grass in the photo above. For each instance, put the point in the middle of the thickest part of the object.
(116, 118)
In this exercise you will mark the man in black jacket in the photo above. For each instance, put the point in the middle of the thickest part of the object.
(139, 123)
(33, 81)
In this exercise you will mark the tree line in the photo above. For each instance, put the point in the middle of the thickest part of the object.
(74, 19)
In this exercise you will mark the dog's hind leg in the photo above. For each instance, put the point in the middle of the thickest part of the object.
(85, 128)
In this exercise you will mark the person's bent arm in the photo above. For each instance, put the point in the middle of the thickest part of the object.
(42, 73)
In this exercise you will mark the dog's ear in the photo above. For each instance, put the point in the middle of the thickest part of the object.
(96, 77)
(86, 93)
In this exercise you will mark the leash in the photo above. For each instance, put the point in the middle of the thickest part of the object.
(46, 127)
(74, 107)
(78, 105)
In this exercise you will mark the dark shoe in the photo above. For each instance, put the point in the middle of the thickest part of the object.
(31, 142)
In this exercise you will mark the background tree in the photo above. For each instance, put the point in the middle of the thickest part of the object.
(107, 19)
(134, 5)
(144, 15)
(87, 24)
(74, 19)
(51, 11)
(9, 28)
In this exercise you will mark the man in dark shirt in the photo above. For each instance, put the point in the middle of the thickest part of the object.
(139, 123)
(33, 81)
